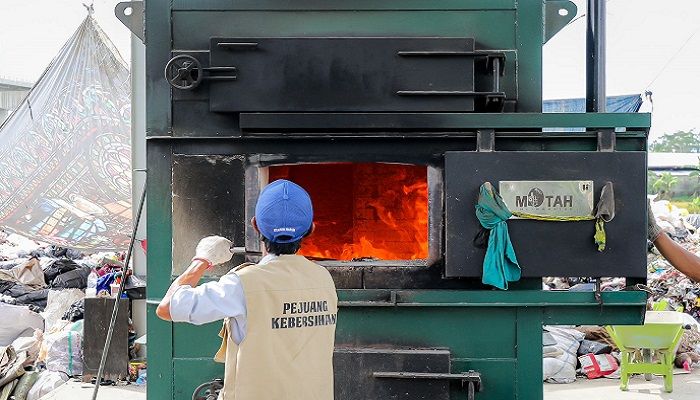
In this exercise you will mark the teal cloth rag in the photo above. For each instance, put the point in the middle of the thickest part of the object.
(500, 264)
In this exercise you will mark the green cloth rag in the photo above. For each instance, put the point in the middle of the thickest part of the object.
(500, 264)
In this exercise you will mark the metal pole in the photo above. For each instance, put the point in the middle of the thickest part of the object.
(595, 56)
(115, 310)
(138, 162)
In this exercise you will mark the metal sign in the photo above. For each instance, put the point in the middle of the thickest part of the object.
(549, 198)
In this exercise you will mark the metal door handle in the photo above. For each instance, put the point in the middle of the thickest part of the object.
(471, 379)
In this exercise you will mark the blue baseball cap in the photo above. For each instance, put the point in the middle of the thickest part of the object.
(284, 212)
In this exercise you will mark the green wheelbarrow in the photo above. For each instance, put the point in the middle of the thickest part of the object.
(650, 348)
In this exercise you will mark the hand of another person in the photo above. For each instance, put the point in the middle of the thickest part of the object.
(215, 249)
(653, 229)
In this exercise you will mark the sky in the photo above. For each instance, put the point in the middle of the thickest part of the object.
(642, 37)
(32, 32)
(652, 45)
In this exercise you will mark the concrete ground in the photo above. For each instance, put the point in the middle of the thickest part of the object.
(685, 387)
(83, 391)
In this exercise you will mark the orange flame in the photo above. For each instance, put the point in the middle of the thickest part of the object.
(364, 210)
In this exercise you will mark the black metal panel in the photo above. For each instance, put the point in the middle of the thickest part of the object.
(550, 248)
(354, 367)
(343, 74)
(98, 312)
(208, 199)
(188, 117)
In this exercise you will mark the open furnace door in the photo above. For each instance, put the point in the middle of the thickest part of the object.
(208, 199)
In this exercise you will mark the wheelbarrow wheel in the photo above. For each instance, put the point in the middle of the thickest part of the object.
(646, 356)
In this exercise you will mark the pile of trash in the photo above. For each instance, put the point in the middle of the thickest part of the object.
(42, 291)
(670, 289)
(571, 352)
(676, 222)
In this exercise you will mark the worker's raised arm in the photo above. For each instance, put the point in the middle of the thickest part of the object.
(682, 259)
(212, 250)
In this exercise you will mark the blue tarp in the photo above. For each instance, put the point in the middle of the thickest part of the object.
(615, 104)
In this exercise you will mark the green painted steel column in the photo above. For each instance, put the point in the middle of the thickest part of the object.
(159, 196)
(529, 36)
(529, 353)
(159, 261)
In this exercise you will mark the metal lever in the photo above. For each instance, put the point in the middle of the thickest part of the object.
(471, 379)
(238, 45)
(470, 390)
(238, 250)
(495, 60)
(597, 293)
(185, 72)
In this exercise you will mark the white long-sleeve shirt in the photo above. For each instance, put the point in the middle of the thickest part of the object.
(214, 301)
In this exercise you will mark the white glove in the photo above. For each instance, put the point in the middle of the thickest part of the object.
(215, 249)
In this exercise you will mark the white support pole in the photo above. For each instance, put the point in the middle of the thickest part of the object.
(138, 165)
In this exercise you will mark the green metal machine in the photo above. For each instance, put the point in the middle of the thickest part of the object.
(447, 94)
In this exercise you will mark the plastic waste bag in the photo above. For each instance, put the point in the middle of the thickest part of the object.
(29, 344)
(47, 382)
(557, 371)
(60, 301)
(562, 368)
(64, 350)
(596, 366)
(18, 321)
(25, 383)
(11, 365)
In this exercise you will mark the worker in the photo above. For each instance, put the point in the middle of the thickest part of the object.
(279, 315)
(682, 259)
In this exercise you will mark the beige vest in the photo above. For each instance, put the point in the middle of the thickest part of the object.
(287, 352)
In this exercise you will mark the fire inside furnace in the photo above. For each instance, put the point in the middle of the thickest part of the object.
(364, 210)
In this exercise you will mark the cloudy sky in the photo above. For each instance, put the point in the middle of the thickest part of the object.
(652, 45)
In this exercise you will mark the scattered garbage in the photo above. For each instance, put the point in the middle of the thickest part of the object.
(18, 321)
(687, 360)
(141, 380)
(63, 349)
(76, 312)
(561, 366)
(598, 365)
(28, 273)
(42, 292)
(59, 302)
(46, 383)
(31, 345)
(11, 365)
(25, 383)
